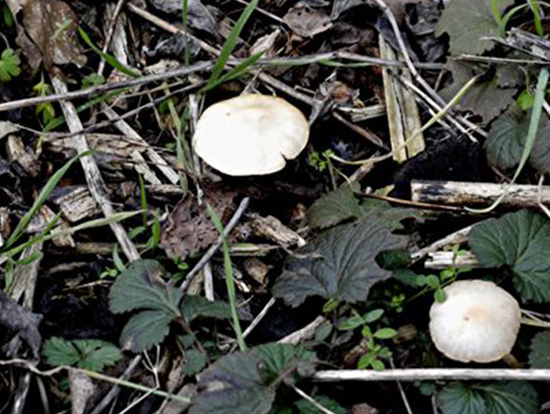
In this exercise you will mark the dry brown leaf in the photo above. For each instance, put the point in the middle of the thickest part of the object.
(49, 33)
(190, 228)
(306, 21)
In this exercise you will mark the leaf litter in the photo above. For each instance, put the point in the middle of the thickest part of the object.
(326, 243)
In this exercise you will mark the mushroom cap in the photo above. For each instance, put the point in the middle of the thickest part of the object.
(250, 135)
(478, 322)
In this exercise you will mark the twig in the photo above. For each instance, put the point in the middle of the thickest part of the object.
(111, 31)
(402, 392)
(320, 407)
(259, 317)
(216, 245)
(435, 374)
(458, 237)
(97, 186)
(100, 89)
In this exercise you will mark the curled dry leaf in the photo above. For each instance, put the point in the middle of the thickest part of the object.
(306, 21)
(49, 34)
(190, 228)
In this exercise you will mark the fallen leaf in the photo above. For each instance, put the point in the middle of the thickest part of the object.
(306, 21)
(198, 15)
(486, 99)
(190, 228)
(467, 22)
(50, 27)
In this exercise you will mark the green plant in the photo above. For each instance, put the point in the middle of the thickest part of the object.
(9, 65)
(91, 354)
(45, 109)
(320, 161)
(375, 350)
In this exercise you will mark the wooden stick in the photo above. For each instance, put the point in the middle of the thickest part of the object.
(97, 186)
(434, 374)
(463, 193)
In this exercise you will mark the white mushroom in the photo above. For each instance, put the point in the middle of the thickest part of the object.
(250, 135)
(478, 322)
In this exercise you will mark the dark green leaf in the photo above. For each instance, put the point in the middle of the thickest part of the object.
(195, 361)
(467, 22)
(233, 385)
(351, 323)
(60, 352)
(141, 287)
(539, 357)
(519, 240)
(91, 354)
(509, 397)
(145, 329)
(373, 315)
(340, 263)
(503, 397)
(457, 398)
(278, 359)
(333, 208)
(195, 306)
(305, 407)
(506, 139)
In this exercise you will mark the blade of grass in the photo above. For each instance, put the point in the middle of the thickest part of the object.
(44, 194)
(237, 71)
(185, 15)
(229, 279)
(529, 142)
(111, 60)
(230, 43)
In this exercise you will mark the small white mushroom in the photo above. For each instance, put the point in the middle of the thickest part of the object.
(478, 322)
(250, 135)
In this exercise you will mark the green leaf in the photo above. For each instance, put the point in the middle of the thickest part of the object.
(458, 398)
(351, 323)
(439, 295)
(230, 44)
(467, 22)
(145, 329)
(9, 65)
(305, 407)
(195, 361)
(373, 315)
(385, 333)
(279, 359)
(340, 263)
(509, 397)
(195, 306)
(233, 385)
(91, 354)
(503, 397)
(519, 240)
(539, 356)
(334, 208)
(141, 287)
(506, 139)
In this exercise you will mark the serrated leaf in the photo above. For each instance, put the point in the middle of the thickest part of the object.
(467, 22)
(278, 359)
(195, 361)
(509, 397)
(195, 306)
(339, 264)
(486, 99)
(506, 140)
(539, 356)
(519, 240)
(91, 354)
(9, 65)
(145, 329)
(457, 398)
(333, 208)
(58, 352)
(233, 385)
(140, 287)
